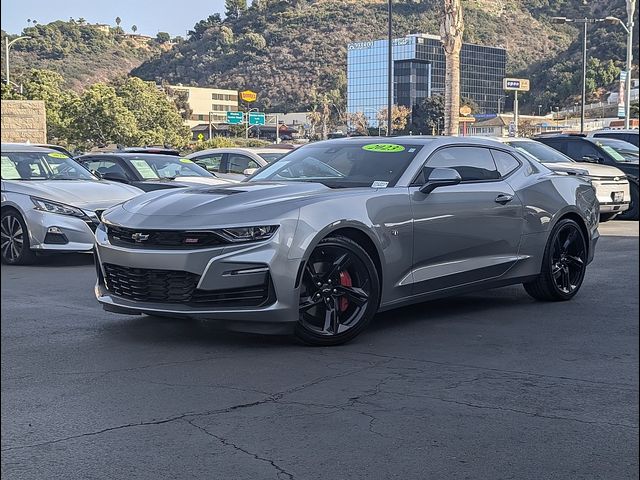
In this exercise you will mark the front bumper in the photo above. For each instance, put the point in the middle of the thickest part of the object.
(76, 234)
(217, 271)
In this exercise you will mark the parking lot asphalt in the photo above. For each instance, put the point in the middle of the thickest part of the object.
(491, 385)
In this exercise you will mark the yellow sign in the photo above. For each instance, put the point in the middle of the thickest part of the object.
(248, 96)
(465, 110)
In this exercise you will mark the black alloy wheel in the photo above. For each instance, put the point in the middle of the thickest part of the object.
(564, 264)
(14, 239)
(339, 292)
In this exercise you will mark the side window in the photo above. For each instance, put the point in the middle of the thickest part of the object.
(472, 163)
(504, 162)
(104, 165)
(239, 163)
(577, 149)
(210, 162)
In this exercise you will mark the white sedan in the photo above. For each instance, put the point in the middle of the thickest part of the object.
(236, 163)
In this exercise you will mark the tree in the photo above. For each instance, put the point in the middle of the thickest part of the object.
(99, 118)
(451, 30)
(399, 117)
(252, 42)
(359, 123)
(233, 9)
(48, 86)
(203, 25)
(428, 116)
(118, 21)
(163, 37)
(134, 28)
(157, 119)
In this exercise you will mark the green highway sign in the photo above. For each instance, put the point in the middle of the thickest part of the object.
(257, 118)
(235, 118)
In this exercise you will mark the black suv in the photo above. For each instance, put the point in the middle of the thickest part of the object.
(607, 151)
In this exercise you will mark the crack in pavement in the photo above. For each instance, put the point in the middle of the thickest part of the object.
(514, 410)
(228, 443)
(621, 386)
(273, 398)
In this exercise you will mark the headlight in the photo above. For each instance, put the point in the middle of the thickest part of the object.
(248, 234)
(59, 208)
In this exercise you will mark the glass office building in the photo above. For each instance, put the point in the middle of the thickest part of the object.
(419, 72)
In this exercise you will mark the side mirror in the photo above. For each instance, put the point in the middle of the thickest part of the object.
(115, 177)
(440, 177)
(249, 171)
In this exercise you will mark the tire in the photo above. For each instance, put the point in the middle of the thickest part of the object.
(634, 207)
(339, 293)
(15, 248)
(605, 217)
(563, 266)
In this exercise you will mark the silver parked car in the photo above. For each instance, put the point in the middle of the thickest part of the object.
(319, 241)
(236, 163)
(50, 203)
(611, 184)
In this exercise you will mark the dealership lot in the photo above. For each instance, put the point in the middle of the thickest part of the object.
(489, 385)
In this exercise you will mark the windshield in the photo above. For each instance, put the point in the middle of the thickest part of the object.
(272, 157)
(541, 152)
(154, 167)
(42, 166)
(619, 150)
(342, 164)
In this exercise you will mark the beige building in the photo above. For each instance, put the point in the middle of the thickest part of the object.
(24, 121)
(208, 101)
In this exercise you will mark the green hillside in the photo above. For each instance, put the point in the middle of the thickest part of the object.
(82, 53)
(287, 50)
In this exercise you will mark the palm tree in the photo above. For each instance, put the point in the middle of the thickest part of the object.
(451, 30)
(134, 28)
(118, 21)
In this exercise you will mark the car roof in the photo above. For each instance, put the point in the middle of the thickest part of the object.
(129, 155)
(256, 150)
(615, 130)
(25, 147)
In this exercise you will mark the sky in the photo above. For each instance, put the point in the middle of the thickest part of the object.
(150, 16)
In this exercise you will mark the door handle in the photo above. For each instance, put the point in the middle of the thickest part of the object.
(503, 198)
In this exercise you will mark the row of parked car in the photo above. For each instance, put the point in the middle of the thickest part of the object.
(38, 181)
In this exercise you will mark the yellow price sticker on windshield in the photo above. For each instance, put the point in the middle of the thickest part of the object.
(383, 148)
(185, 160)
(57, 155)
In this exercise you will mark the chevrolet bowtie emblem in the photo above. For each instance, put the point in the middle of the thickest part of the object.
(139, 237)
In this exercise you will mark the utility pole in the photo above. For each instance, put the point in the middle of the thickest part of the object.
(631, 6)
(515, 111)
(7, 46)
(584, 75)
(390, 70)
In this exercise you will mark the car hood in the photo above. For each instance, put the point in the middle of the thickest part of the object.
(592, 169)
(203, 181)
(89, 195)
(220, 200)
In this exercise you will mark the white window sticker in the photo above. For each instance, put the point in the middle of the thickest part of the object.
(144, 169)
(379, 184)
(9, 170)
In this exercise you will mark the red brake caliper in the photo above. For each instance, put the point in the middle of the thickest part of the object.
(345, 281)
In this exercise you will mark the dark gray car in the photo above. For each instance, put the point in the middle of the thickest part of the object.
(319, 241)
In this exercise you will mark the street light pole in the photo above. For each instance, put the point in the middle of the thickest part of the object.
(631, 6)
(390, 69)
(8, 45)
(584, 75)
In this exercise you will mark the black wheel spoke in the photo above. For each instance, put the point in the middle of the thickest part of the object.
(338, 265)
(310, 271)
(569, 240)
(575, 260)
(307, 302)
(331, 318)
(354, 294)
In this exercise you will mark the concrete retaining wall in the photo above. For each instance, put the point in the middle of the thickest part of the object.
(24, 121)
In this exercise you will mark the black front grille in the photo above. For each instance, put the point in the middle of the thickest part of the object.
(173, 286)
(162, 239)
(150, 285)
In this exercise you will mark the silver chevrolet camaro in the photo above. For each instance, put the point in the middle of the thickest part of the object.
(322, 239)
(50, 203)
